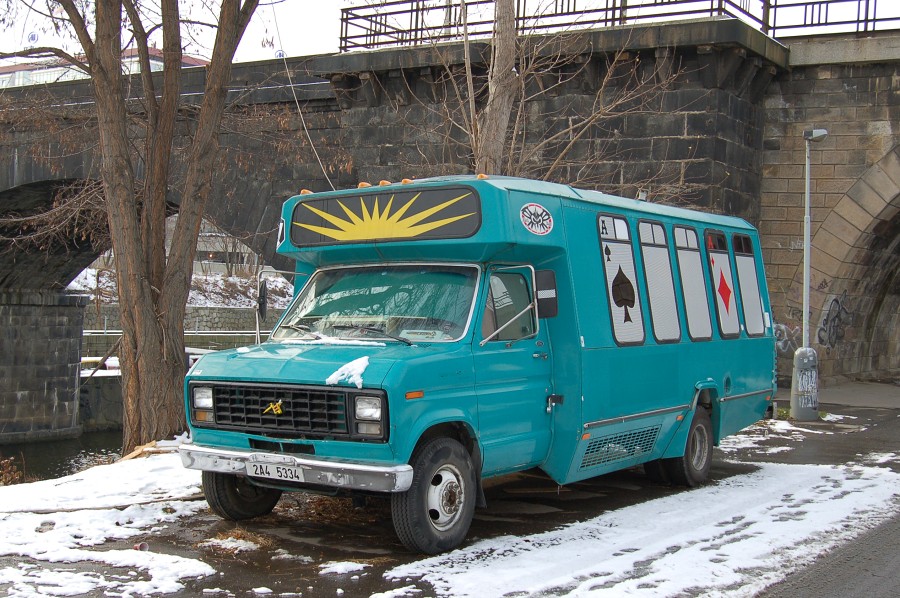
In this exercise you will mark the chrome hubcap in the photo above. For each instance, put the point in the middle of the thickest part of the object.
(445, 497)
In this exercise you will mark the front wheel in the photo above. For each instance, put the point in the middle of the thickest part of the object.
(692, 468)
(233, 497)
(435, 513)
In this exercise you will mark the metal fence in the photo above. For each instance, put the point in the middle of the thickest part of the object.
(419, 22)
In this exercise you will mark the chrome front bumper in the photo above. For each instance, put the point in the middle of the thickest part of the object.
(337, 474)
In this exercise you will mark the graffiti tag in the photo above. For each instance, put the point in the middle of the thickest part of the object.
(787, 340)
(837, 318)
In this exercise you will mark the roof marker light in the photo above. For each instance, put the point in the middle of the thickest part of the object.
(406, 181)
(383, 183)
(363, 185)
(305, 191)
(481, 176)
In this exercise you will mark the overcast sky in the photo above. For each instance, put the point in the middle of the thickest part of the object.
(297, 27)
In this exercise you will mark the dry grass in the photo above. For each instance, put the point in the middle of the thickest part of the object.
(10, 473)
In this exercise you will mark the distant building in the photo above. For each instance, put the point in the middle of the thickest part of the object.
(51, 71)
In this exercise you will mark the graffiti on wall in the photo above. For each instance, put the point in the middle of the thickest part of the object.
(787, 339)
(835, 320)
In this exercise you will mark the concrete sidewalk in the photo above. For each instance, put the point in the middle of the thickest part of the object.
(883, 395)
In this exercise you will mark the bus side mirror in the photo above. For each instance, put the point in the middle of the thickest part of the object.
(262, 300)
(547, 303)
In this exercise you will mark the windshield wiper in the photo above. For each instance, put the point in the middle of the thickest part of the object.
(304, 329)
(373, 329)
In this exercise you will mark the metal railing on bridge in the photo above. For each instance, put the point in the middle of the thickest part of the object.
(420, 22)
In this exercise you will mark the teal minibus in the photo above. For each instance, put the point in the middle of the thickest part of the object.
(449, 330)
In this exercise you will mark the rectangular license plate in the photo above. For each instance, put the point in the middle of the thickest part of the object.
(288, 473)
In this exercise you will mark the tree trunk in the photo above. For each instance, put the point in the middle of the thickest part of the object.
(153, 290)
(493, 121)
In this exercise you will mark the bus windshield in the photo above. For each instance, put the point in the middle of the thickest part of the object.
(407, 303)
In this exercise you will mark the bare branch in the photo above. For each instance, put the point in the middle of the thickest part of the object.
(47, 52)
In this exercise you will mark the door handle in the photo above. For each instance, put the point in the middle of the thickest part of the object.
(539, 355)
(553, 400)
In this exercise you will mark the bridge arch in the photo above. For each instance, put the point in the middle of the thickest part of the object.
(855, 265)
(52, 266)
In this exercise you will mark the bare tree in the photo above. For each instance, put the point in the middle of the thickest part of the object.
(491, 125)
(549, 107)
(137, 172)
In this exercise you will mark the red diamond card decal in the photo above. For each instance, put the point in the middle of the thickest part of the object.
(724, 291)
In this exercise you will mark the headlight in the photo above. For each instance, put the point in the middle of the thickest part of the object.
(368, 408)
(203, 397)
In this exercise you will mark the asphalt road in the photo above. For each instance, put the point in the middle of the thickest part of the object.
(333, 530)
(305, 532)
(869, 566)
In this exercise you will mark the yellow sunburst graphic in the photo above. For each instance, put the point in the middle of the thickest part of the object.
(382, 224)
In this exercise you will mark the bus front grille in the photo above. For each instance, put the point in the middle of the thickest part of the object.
(289, 411)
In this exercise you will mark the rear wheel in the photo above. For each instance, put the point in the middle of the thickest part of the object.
(234, 497)
(692, 468)
(435, 513)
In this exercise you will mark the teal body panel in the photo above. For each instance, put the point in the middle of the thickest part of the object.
(614, 405)
(445, 371)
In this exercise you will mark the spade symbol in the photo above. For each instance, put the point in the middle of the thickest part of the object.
(623, 292)
(608, 253)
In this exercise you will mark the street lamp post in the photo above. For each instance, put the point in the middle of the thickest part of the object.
(805, 379)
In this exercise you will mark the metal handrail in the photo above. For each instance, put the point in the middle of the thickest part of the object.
(422, 22)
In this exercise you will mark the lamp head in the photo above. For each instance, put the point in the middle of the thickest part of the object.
(815, 134)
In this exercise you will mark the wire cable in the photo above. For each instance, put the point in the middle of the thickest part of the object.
(297, 102)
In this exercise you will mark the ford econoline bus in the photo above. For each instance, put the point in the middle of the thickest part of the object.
(450, 330)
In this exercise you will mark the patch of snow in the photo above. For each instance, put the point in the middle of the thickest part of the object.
(331, 340)
(834, 417)
(340, 567)
(351, 372)
(234, 545)
(398, 592)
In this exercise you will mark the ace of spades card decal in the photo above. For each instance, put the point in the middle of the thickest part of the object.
(621, 280)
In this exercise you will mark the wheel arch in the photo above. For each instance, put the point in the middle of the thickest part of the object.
(463, 433)
(706, 396)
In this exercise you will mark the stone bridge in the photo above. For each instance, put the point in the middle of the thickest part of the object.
(729, 139)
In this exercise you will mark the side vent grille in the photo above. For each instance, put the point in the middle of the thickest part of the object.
(617, 447)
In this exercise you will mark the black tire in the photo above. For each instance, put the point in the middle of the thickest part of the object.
(434, 515)
(692, 468)
(656, 471)
(234, 498)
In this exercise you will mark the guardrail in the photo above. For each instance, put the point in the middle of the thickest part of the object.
(420, 22)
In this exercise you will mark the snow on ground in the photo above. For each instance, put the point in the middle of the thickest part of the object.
(732, 537)
(210, 290)
(71, 519)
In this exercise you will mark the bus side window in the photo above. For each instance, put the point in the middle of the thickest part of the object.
(748, 281)
(621, 280)
(693, 284)
(508, 295)
(723, 284)
(660, 286)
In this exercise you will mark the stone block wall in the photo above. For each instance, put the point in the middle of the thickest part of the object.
(40, 359)
(855, 211)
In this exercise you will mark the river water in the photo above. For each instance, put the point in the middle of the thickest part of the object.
(57, 458)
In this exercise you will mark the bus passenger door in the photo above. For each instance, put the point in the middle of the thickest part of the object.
(513, 365)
